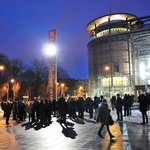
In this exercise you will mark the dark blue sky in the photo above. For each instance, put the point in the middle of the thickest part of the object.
(24, 26)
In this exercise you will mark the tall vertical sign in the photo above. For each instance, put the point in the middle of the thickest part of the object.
(52, 71)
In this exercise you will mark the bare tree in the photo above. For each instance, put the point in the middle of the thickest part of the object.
(16, 68)
(62, 75)
(15, 89)
(40, 70)
(27, 82)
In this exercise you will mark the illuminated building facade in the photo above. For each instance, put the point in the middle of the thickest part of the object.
(119, 54)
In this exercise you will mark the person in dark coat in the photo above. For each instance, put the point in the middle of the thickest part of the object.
(131, 101)
(90, 105)
(42, 109)
(8, 112)
(21, 109)
(119, 104)
(144, 106)
(102, 117)
(148, 98)
(126, 105)
(54, 107)
(35, 111)
(113, 102)
(62, 106)
(15, 110)
(96, 103)
(81, 107)
(29, 110)
(72, 108)
(48, 108)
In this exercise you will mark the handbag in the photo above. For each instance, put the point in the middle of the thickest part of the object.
(110, 120)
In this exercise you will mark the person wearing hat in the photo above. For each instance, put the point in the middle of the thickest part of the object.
(103, 115)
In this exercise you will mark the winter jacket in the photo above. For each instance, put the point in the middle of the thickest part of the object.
(103, 114)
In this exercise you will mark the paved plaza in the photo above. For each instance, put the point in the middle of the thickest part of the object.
(76, 134)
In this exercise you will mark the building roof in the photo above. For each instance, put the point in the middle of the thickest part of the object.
(112, 17)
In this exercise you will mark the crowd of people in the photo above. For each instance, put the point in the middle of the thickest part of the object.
(43, 110)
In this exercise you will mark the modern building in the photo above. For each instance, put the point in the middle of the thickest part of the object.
(119, 54)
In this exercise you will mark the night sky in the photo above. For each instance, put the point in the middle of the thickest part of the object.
(24, 26)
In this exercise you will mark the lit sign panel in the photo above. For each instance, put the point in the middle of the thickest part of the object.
(52, 35)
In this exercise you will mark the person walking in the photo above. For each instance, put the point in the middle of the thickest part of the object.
(144, 106)
(102, 117)
(119, 104)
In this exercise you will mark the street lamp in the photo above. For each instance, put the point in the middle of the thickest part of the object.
(107, 68)
(62, 89)
(11, 81)
(1, 70)
(2, 67)
(50, 51)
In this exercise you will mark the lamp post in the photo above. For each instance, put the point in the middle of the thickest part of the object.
(107, 68)
(11, 81)
(62, 89)
(1, 69)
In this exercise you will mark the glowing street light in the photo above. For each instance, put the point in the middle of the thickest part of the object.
(50, 49)
(107, 68)
(2, 67)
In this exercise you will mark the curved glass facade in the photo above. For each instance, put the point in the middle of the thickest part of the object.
(113, 56)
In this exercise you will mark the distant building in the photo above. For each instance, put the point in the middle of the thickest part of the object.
(119, 54)
(82, 88)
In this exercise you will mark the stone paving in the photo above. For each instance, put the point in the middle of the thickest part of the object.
(75, 135)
